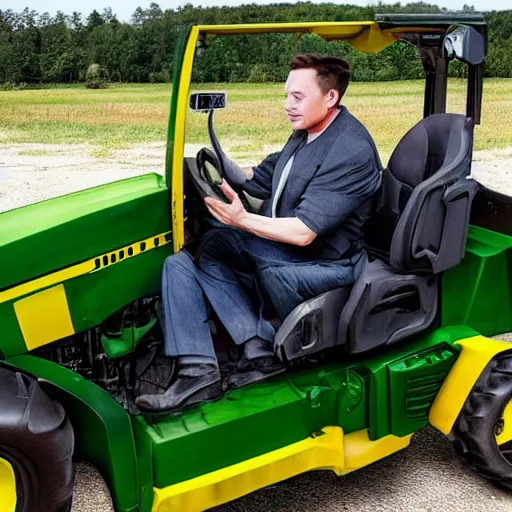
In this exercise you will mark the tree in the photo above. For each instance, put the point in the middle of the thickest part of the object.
(95, 19)
(75, 22)
(154, 12)
(41, 48)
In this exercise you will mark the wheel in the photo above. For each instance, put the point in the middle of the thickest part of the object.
(21, 484)
(8, 484)
(482, 434)
(36, 448)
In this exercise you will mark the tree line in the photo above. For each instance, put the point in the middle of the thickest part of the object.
(39, 48)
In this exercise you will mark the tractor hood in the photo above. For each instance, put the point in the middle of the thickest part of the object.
(51, 235)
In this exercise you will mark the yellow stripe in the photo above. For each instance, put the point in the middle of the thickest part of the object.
(475, 356)
(46, 281)
(7, 487)
(325, 29)
(92, 265)
(179, 141)
(360, 450)
(341, 27)
(331, 450)
(44, 317)
(365, 36)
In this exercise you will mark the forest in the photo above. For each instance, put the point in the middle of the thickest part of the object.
(37, 48)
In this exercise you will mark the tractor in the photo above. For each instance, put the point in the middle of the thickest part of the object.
(414, 342)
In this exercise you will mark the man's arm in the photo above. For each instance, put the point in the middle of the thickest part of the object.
(345, 181)
(289, 230)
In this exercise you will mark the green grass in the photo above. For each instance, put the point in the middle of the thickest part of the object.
(251, 126)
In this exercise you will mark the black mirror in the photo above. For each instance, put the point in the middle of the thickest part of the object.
(205, 101)
(465, 44)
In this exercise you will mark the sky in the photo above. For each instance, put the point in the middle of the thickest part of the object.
(125, 8)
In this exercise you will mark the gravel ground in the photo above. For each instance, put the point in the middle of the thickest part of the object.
(425, 477)
(34, 172)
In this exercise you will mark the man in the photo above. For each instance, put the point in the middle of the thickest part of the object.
(318, 193)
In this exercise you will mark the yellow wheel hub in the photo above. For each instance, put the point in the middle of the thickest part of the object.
(504, 427)
(7, 487)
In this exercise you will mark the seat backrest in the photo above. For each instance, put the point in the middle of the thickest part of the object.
(423, 207)
(433, 143)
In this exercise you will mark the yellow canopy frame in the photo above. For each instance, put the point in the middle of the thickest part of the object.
(364, 36)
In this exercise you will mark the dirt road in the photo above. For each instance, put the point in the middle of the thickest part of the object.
(33, 172)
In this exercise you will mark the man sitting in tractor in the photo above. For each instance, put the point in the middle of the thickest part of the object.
(309, 239)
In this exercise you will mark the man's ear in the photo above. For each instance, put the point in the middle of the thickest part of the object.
(333, 98)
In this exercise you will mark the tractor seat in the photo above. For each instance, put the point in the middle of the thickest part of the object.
(418, 230)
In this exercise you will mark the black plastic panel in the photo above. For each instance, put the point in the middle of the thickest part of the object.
(492, 210)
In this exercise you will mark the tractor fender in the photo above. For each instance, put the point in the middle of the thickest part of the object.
(36, 437)
(476, 353)
(103, 431)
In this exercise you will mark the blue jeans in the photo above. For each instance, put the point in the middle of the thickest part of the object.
(246, 280)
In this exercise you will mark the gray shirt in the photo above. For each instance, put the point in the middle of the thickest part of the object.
(280, 185)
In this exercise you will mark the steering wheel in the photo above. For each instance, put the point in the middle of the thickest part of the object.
(206, 171)
(207, 175)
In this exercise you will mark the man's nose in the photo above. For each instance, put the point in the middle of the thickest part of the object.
(288, 104)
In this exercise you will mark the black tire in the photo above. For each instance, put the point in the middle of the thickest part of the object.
(474, 432)
(37, 439)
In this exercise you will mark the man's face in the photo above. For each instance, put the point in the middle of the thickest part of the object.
(306, 105)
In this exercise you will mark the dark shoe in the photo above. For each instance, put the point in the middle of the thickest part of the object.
(259, 355)
(194, 384)
(257, 363)
(253, 374)
(264, 364)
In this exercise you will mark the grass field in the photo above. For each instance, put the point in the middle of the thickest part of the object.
(253, 124)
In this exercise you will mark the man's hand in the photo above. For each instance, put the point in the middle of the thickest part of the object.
(289, 230)
(232, 214)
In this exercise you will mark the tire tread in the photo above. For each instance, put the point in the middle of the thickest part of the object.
(473, 432)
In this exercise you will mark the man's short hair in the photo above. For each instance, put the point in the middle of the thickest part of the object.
(333, 72)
